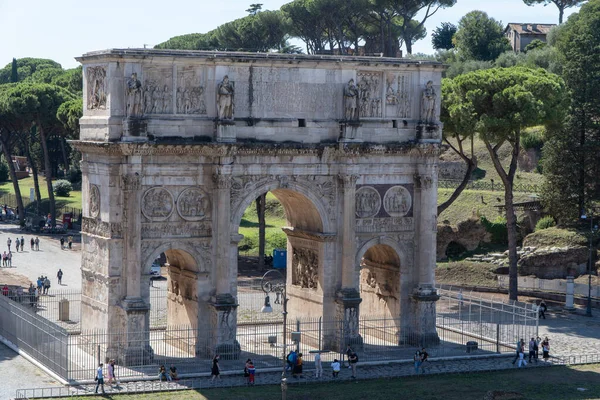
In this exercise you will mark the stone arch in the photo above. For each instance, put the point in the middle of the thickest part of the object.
(182, 251)
(402, 249)
(299, 201)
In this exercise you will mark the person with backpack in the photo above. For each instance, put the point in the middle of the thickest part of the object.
(353, 360)
(291, 360)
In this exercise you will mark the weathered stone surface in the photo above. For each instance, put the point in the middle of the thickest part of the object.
(555, 262)
(469, 234)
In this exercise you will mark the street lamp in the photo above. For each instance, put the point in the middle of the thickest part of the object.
(273, 281)
(593, 230)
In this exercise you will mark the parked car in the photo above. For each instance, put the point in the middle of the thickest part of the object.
(155, 271)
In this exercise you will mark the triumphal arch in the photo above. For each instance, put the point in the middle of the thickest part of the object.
(177, 144)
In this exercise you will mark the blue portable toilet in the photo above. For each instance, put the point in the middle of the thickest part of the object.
(279, 258)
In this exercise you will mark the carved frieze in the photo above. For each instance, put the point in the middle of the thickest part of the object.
(96, 87)
(175, 230)
(423, 182)
(370, 91)
(305, 268)
(133, 96)
(397, 201)
(242, 185)
(348, 181)
(325, 187)
(428, 104)
(376, 225)
(94, 202)
(190, 97)
(157, 95)
(103, 229)
(222, 181)
(131, 181)
(193, 204)
(368, 202)
(157, 204)
(398, 95)
(225, 103)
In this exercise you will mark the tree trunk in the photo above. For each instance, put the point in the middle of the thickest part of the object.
(471, 165)
(34, 173)
(13, 177)
(561, 12)
(48, 172)
(63, 150)
(260, 211)
(511, 227)
(408, 44)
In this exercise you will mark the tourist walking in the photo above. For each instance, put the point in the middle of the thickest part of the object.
(546, 349)
(318, 366)
(4, 259)
(17, 244)
(70, 242)
(353, 361)
(424, 358)
(8, 243)
(522, 359)
(99, 378)
(9, 259)
(531, 349)
(46, 285)
(37, 243)
(22, 243)
(62, 243)
(542, 309)
(59, 276)
(335, 367)
(519, 349)
(417, 360)
(111, 372)
(538, 343)
(32, 244)
(215, 371)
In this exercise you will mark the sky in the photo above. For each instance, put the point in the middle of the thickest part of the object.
(63, 29)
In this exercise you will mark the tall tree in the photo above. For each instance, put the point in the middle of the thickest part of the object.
(408, 11)
(441, 37)
(498, 104)
(480, 37)
(562, 5)
(254, 8)
(38, 104)
(572, 165)
(14, 73)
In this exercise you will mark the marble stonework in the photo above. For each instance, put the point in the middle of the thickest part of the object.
(177, 144)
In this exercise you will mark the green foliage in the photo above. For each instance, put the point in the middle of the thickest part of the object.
(535, 44)
(25, 68)
(560, 4)
(571, 161)
(545, 223)
(463, 67)
(497, 229)
(533, 138)
(441, 37)
(4, 173)
(480, 37)
(554, 236)
(69, 114)
(62, 188)
(14, 71)
(544, 57)
(510, 59)
(70, 79)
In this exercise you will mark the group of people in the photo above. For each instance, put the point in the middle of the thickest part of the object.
(164, 376)
(43, 284)
(112, 377)
(533, 350)
(19, 246)
(249, 372)
(64, 242)
(420, 358)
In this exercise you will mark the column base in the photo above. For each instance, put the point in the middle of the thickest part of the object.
(348, 301)
(425, 332)
(225, 131)
(136, 341)
(224, 327)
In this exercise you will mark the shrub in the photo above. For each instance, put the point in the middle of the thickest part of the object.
(62, 188)
(532, 138)
(74, 175)
(497, 229)
(545, 223)
(247, 243)
(3, 171)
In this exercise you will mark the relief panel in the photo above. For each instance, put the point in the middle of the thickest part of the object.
(191, 91)
(369, 89)
(158, 90)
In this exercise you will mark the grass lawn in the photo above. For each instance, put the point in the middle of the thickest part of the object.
(564, 383)
(274, 221)
(74, 200)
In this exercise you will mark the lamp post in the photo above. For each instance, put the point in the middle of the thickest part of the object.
(278, 287)
(593, 229)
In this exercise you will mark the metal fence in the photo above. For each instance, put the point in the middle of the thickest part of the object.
(42, 208)
(461, 318)
(553, 285)
(485, 185)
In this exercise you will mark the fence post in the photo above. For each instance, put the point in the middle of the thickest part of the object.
(98, 355)
(498, 338)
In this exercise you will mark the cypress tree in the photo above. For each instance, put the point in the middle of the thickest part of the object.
(14, 75)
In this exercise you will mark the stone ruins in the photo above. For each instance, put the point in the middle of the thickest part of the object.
(177, 144)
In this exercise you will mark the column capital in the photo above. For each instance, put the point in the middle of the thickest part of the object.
(423, 182)
(347, 180)
(131, 181)
(221, 181)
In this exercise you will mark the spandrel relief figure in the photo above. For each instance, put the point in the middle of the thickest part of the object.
(225, 95)
(428, 104)
(166, 100)
(96, 88)
(156, 101)
(351, 101)
(147, 99)
(134, 96)
(179, 101)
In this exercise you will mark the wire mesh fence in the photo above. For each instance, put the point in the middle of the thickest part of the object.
(485, 185)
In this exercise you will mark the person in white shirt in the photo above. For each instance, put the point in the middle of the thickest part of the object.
(99, 378)
(318, 366)
(335, 366)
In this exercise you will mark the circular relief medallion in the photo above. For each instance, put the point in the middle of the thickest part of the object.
(397, 201)
(94, 201)
(193, 204)
(157, 204)
(368, 202)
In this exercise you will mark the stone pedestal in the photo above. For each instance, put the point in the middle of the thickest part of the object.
(350, 132)
(223, 328)
(225, 131)
(347, 303)
(137, 336)
(428, 132)
(134, 128)
(424, 333)
(569, 301)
